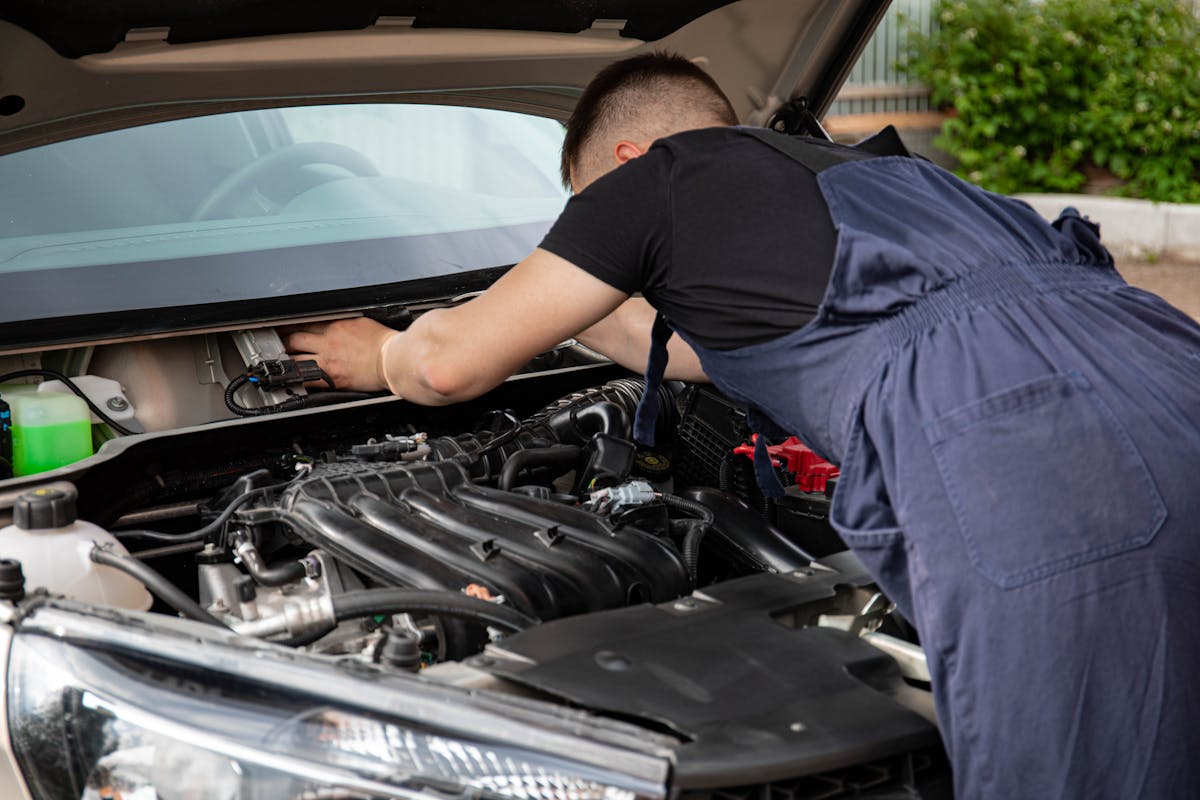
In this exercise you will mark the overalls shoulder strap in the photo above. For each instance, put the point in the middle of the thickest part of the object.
(656, 365)
(817, 155)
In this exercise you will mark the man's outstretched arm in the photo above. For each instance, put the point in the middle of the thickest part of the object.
(624, 336)
(454, 354)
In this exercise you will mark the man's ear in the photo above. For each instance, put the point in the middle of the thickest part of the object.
(627, 151)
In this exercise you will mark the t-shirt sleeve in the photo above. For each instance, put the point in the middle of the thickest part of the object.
(617, 229)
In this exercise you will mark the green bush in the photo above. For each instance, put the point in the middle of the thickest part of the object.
(1044, 89)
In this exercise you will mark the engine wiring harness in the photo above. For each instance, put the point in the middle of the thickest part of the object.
(283, 373)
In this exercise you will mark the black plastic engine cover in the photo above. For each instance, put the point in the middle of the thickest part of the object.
(757, 701)
(427, 525)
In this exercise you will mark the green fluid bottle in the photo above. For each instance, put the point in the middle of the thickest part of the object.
(49, 430)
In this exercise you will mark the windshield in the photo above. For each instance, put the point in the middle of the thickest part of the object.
(271, 203)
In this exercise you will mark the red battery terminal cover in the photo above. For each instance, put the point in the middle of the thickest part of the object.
(810, 470)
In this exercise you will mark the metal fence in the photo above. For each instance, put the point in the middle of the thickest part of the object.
(875, 84)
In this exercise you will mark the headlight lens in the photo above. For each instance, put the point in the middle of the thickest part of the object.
(86, 724)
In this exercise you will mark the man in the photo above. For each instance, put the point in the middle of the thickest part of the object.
(1018, 430)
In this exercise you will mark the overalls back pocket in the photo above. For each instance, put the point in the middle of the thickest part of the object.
(1087, 496)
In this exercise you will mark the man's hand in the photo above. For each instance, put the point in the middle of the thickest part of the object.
(347, 350)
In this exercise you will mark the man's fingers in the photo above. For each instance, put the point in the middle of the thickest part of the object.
(303, 342)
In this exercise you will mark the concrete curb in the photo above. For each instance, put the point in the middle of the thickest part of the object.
(1133, 229)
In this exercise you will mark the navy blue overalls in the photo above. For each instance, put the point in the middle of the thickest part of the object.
(1019, 437)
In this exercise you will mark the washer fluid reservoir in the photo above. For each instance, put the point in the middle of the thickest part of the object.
(49, 430)
(53, 547)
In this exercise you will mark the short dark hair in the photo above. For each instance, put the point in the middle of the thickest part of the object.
(607, 97)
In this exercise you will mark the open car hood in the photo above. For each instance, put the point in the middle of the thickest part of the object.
(69, 69)
(104, 264)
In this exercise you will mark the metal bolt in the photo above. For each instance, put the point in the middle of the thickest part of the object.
(117, 404)
(796, 727)
(614, 662)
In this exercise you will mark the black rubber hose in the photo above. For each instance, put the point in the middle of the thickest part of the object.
(575, 424)
(201, 533)
(501, 439)
(691, 506)
(691, 541)
(70, 384)
(425, 601)
(157, 584)
(605, 417)
(169, 550)
(691, 549)
(625, 392)
(563, 456)
(725, 473)
(256, 565)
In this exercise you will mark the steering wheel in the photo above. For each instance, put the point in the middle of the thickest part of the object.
(293, 156)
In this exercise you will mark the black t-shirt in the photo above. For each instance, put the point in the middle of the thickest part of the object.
(730, 239)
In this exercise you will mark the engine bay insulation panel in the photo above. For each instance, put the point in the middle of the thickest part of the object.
(757, 700)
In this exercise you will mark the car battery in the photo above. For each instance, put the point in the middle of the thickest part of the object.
(809, 482)
(804, 516)
(715, 447)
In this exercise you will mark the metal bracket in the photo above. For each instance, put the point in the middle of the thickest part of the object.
(256, 346)
(865, 624)
(795, 117)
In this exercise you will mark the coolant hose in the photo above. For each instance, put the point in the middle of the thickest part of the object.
(426, 601)
(563, 455)
(692, 539)
(156, 583)
(256, 565)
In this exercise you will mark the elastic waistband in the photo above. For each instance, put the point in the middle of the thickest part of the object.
(990, 286)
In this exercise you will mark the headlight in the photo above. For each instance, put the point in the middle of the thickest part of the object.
(102, 725)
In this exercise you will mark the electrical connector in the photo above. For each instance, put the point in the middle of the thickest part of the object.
(390, 449)
(614, 498)
(275, 372)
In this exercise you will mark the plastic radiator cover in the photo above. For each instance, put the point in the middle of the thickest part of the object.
(757, 700)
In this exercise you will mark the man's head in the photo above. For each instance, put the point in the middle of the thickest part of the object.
(630, 104)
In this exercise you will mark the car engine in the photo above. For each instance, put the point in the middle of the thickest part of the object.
(552, 516)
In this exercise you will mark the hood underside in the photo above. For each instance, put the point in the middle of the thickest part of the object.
(75, 30)
(140, 214)
(69, 69)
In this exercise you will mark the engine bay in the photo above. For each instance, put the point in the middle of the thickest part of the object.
(524, 543)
